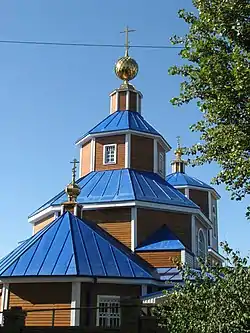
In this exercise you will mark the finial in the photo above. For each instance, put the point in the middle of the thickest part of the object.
(178, 165)
(126, 67)
(127, 42)
(178, 151)
(73, 190)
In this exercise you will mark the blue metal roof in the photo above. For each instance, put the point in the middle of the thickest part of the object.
(71, 246)
(182, 179)
(121, 121)
(123, 185)
(162, 240)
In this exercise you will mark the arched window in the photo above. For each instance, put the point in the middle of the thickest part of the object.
(201, 244)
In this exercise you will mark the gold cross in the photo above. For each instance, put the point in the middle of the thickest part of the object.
(74, 162)
(178, 141)
(127, 42)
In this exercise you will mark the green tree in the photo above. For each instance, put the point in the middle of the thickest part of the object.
(215, 301)
(216, 75)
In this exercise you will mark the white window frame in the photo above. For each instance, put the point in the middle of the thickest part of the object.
(104, 154)
(109, 317)
(200, 231)
(161, 163)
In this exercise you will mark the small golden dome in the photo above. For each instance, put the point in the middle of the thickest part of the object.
(126, 68)
(72, 190)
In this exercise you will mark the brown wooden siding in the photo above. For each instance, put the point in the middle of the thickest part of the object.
(113, 103)
(119, 230)
(43, 222)
(160, 149)
(182, 190)
(142, 153)
(132, 101)
(201, 199)
(148, 221)
(120, 158)
(89, 294)
(85, 159)
(31, 296)
(122, 100)
(115, 221)
(161, 258)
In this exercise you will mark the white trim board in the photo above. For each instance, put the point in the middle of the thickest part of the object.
(204, 189)
(164, 143)
(139, 204)
(37, 279)
(44, 213)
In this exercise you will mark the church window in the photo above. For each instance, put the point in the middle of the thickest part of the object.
(161, 163)
(108, 311)
(201, 245)
(109, 154)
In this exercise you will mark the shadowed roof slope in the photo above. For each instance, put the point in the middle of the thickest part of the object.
(111, 186)
(71, 246)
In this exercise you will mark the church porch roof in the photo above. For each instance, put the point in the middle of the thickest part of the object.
(70, 246)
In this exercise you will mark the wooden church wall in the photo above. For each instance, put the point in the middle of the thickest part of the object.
(119, 140)
(85, 159)
(148, 221)
(161, 258)
(142, 153)
(201, 199)
(116, 221)
(90, 292)
(43, 222)
(32, 296)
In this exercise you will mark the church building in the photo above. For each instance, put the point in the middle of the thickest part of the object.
(118, 229)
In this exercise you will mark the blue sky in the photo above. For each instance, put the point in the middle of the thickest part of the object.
(51, 95)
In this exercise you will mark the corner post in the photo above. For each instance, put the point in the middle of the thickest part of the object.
(75, 303)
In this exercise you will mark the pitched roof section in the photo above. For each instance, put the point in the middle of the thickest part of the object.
(112, 186)
(73, 247)
(162, 240)
(121, 121)
(182, 179)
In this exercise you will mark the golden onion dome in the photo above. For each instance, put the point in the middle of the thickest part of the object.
(72, 190)
(126, 68)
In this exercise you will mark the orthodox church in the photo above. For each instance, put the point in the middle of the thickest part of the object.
(118, 229)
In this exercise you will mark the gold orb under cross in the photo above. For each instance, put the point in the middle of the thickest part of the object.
(126, 68)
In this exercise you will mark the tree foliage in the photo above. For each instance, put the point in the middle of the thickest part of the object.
(215, 301)
(217, 76)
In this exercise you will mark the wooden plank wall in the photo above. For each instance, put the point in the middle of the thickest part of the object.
(43, 223)
(142, 153)
(119, 140)
(116, 221)
(31, 296)
(85, 159)
(89, 293)
(119, 230)
(161, 258)
(148, 221)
